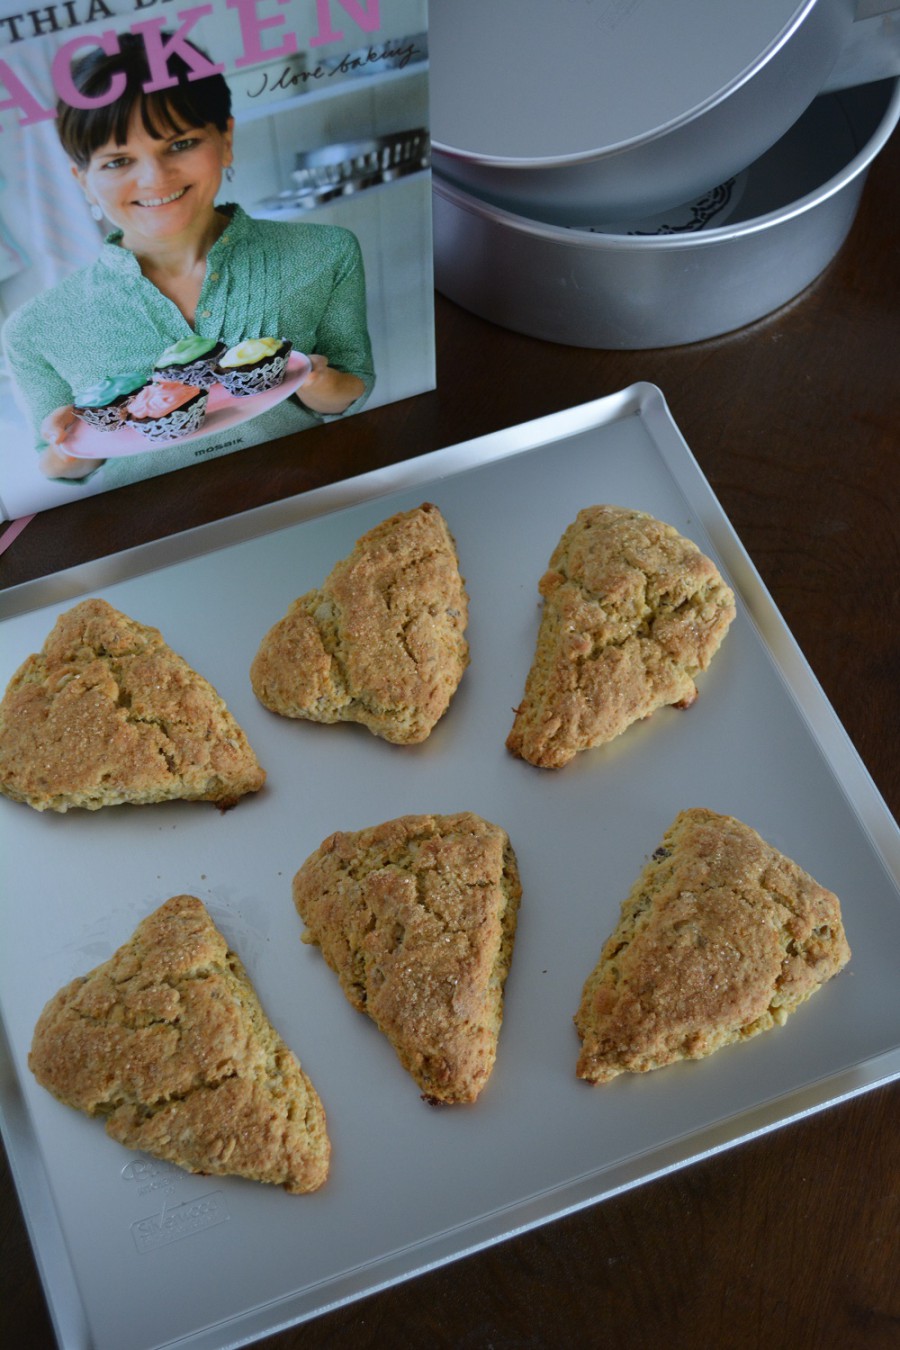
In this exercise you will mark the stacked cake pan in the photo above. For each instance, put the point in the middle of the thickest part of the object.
(633, 174)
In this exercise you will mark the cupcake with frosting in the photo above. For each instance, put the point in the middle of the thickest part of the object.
(190, 360)
(166, 410)
(102, 405)
(254, 365)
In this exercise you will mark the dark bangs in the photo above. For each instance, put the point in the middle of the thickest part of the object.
(190, 103)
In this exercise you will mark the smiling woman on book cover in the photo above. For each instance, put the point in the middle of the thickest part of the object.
(185, 292)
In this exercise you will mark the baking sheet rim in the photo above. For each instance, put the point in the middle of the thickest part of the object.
(647, 401)
(60, 1285)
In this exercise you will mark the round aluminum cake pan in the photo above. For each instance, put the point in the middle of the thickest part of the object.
(619, 108)
(707, 268)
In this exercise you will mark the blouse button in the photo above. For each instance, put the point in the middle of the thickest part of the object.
(205, 313)
(214, 276)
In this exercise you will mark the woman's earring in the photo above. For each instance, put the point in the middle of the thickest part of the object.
(96, 212)
(229, 173)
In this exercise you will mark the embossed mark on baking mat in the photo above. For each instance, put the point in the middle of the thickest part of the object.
(179, 1221)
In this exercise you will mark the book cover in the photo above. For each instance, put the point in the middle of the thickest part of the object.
(215, 230)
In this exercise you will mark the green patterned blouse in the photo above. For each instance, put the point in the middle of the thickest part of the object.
(263, 279)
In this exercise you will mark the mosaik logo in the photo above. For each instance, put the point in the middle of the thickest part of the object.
(265, 37)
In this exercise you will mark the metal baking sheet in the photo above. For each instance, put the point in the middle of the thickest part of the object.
(136, 1254)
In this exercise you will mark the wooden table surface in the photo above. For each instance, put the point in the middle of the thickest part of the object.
(792, 1239)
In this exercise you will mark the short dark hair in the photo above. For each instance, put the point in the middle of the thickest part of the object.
(190, 103)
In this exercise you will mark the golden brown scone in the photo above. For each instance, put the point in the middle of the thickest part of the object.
(417, 917)
(168, 1043)
(382, 642)
(721, 937)
(632, 612)
(107, 713)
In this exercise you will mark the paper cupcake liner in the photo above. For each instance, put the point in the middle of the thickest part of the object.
(256, 379)
(181, 422)
(201, 373)
(103, 419)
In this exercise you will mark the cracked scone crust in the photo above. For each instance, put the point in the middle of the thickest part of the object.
(632, 612)
(417, 917)
(381, 642)
(167, 1042)
(721, 937)
(107, 713)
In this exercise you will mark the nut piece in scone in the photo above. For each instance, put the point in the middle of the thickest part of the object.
(167, 1042)
(382, 642)
(107, 713)
(417, 917)
(721, 937)
(632, 612)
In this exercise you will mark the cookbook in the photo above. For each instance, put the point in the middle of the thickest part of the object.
(215, 231)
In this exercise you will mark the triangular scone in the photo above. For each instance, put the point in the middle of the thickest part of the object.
(107, 713)
(382, 642)
(418, 917)
(721, 937)
(167, 1042)
(632, 612)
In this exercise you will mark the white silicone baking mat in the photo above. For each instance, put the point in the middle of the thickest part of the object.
(136, 1254)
